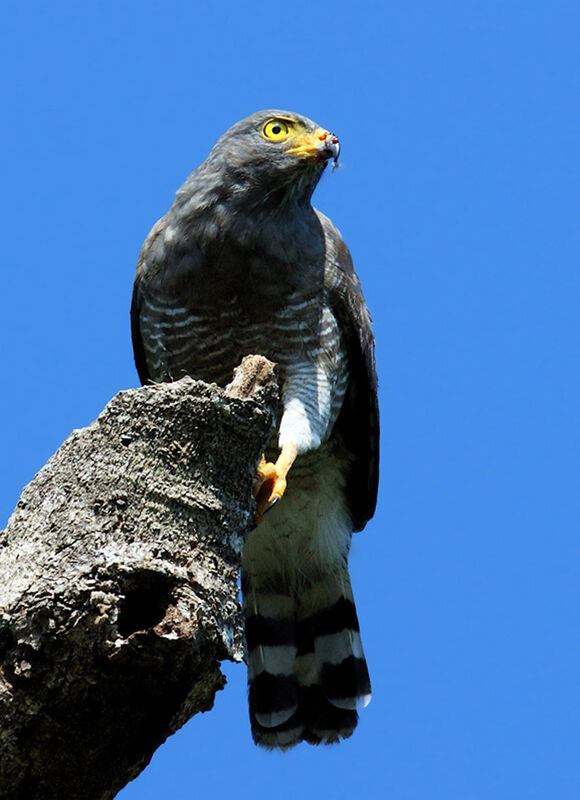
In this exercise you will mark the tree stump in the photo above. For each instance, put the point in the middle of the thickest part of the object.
(118, 583)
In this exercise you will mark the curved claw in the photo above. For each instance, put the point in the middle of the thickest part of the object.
(270, 483)
(272, 503)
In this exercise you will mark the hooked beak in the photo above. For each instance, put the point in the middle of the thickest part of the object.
(331, 147)
(318, 144)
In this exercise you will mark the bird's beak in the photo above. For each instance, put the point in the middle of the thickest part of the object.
(318, 144)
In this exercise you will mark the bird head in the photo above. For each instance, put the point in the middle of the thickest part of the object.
(278, 153)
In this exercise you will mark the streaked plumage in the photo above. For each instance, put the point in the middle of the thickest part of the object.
(240, 264)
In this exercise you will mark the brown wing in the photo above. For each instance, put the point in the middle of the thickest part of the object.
(358, 421)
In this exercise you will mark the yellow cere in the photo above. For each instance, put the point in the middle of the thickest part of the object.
(309, 142)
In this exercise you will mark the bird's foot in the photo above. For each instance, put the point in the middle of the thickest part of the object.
(270, 481)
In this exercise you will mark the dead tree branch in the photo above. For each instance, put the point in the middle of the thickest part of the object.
(118, 583)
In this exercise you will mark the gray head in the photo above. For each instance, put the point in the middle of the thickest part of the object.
(275, 154)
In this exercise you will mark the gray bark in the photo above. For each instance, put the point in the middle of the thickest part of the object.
(118, 583)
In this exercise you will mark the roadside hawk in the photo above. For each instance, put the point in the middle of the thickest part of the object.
(242, 263)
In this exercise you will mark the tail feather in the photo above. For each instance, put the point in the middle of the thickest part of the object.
(271, 653)
(347, 685)
(282, 736)
(307, 673)
(273, 699)
(337, 662)
(324, 722)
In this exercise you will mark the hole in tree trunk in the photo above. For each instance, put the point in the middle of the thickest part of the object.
(147, 597)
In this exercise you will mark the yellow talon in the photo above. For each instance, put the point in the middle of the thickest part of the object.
(270, 483)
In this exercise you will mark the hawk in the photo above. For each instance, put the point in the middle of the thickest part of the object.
(242, 263)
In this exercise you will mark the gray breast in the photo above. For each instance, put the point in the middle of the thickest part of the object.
(210, 343)
(214, 297)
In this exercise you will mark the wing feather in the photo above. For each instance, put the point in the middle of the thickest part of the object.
(138, 349)
(358, 421)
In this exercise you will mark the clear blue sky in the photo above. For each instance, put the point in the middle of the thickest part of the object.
(458, 196)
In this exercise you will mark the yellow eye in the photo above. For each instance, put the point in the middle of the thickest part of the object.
(275, 130)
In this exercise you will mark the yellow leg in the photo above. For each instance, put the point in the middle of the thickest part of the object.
(270, 483)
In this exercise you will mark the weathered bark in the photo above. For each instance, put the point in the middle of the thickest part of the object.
(118, 583)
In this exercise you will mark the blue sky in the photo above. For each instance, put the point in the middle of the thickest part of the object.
(458, 196)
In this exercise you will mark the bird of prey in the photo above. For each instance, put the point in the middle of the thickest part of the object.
(242, 263)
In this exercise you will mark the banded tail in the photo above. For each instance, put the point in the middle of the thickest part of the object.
(307, 674)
